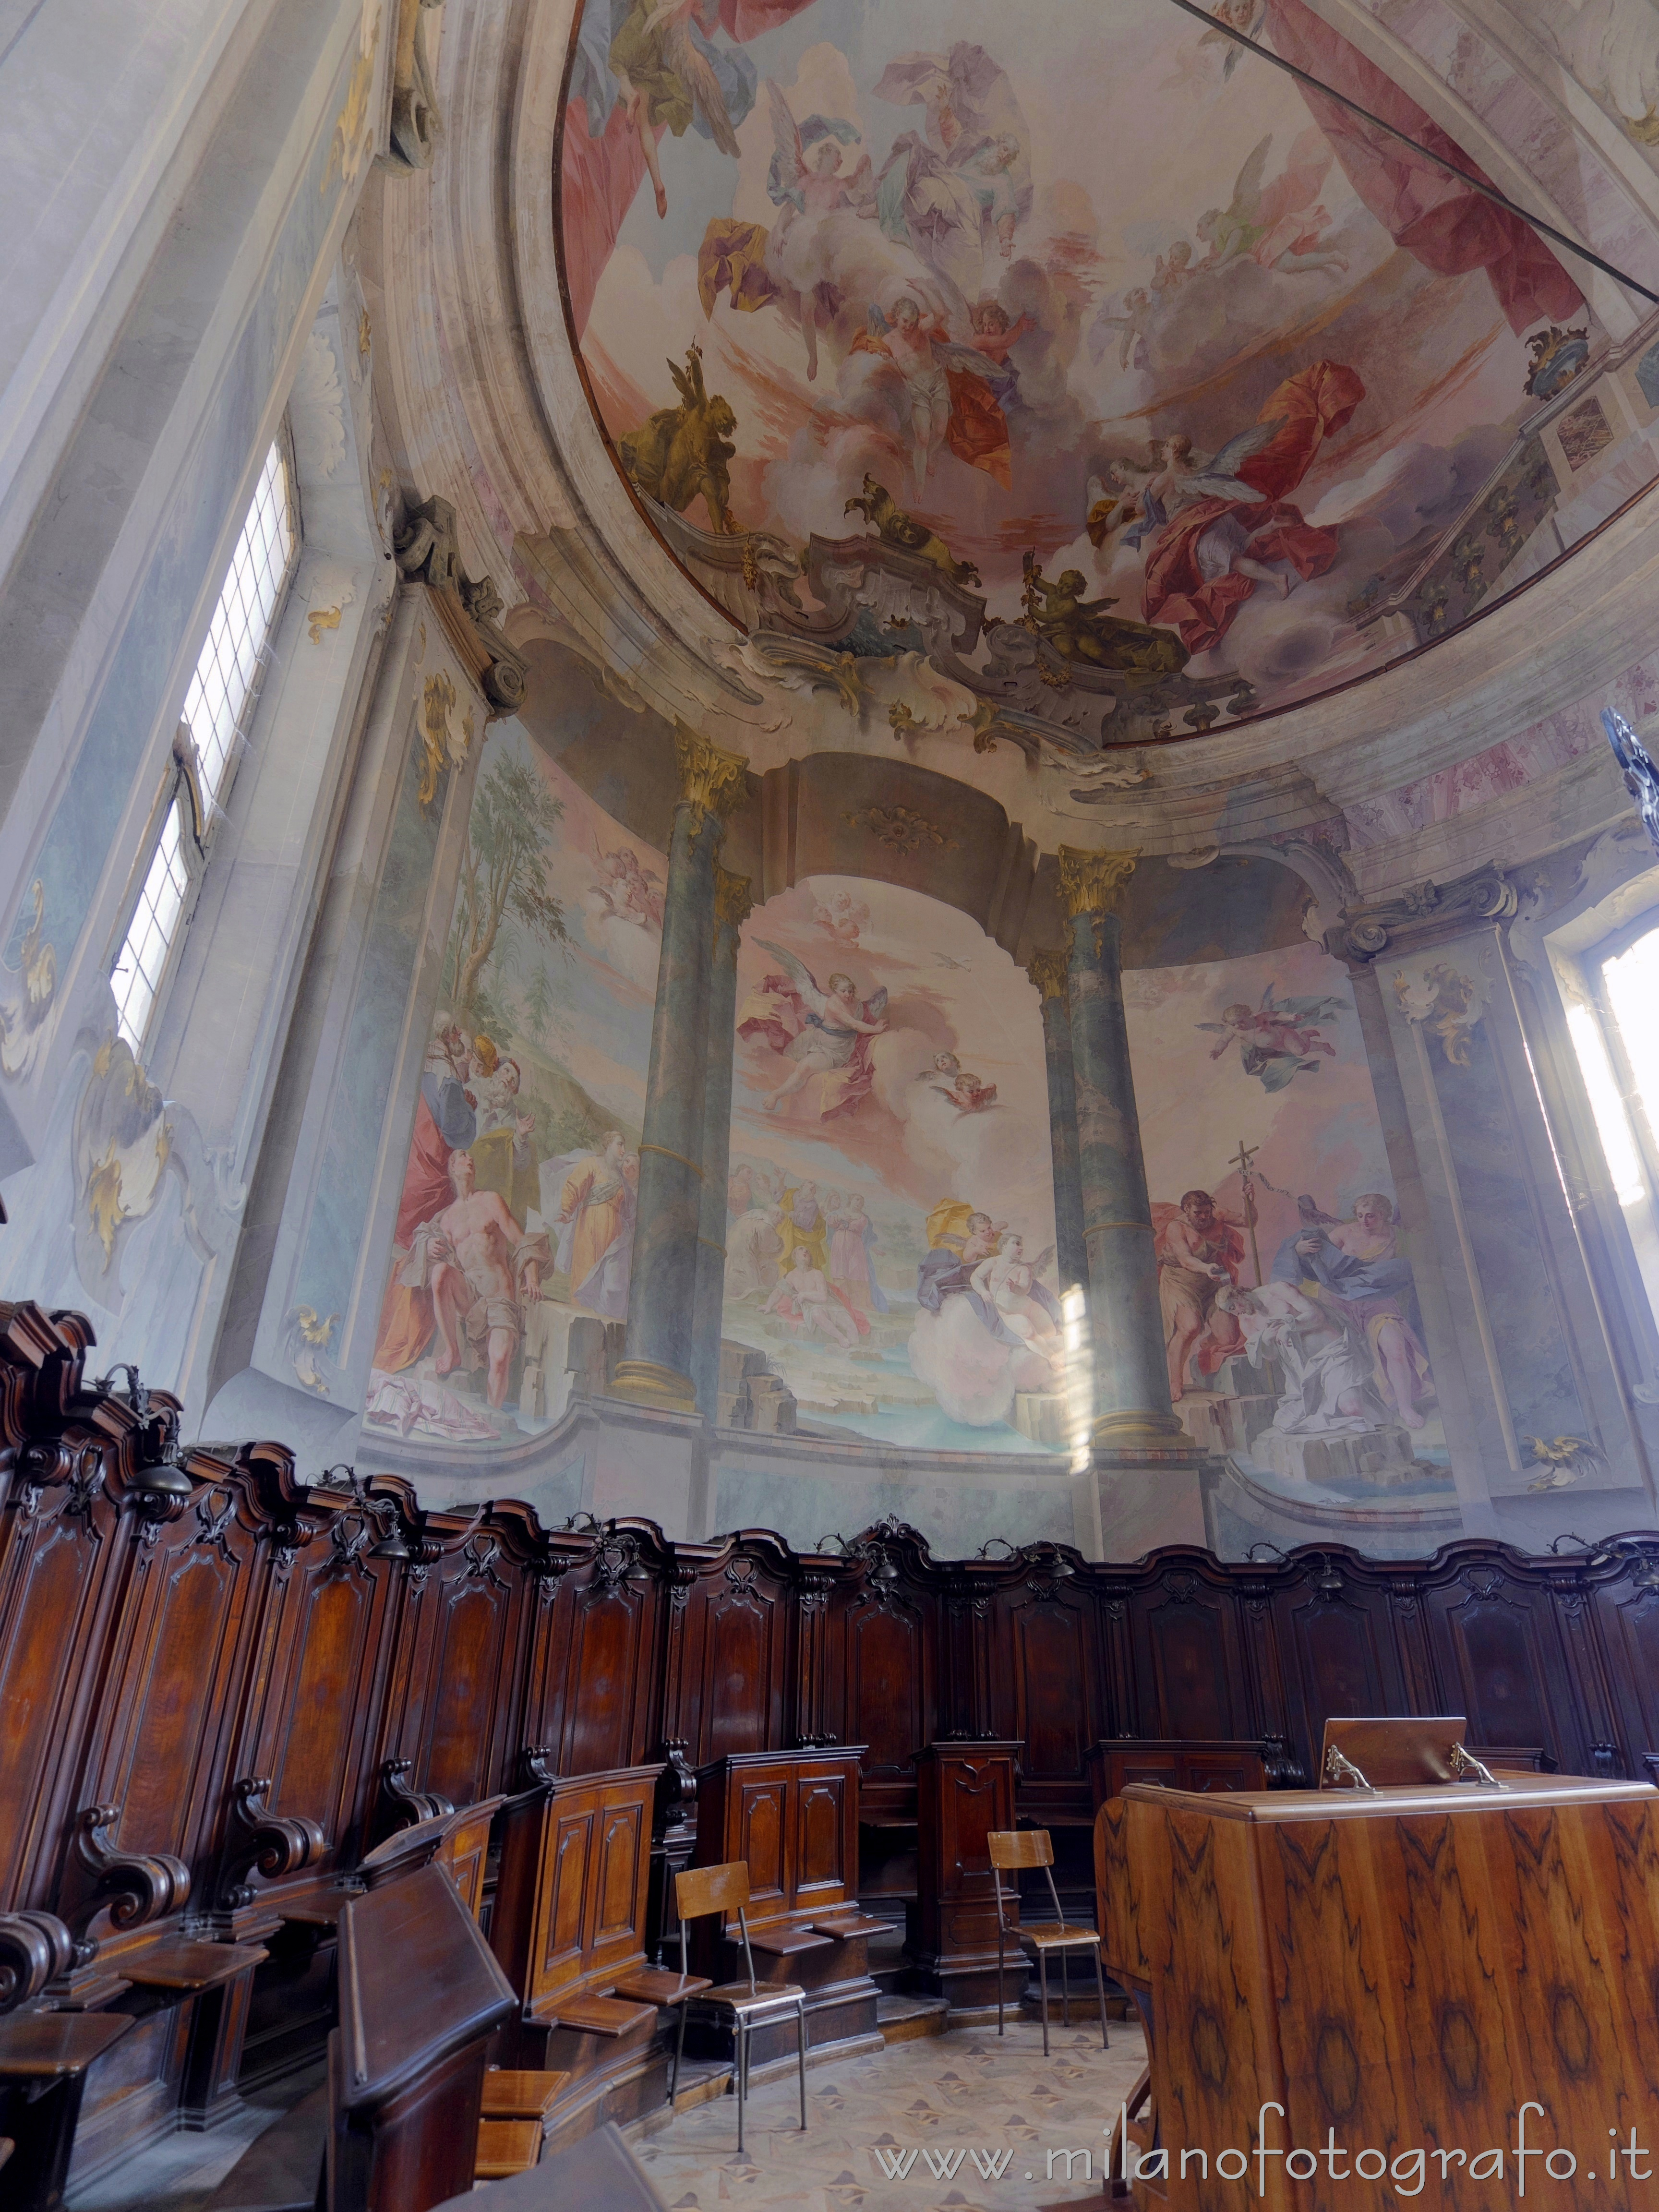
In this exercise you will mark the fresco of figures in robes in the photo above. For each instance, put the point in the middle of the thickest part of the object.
(890, 1238)
(1193, 367)
(1292, 1324)
(516, 1216)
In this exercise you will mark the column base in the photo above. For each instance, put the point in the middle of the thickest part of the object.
(1143, 1430)
(1151, 1494)
(648, 1383)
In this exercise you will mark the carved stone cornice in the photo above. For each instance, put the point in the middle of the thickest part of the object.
(1048, 970)
(712, 782)
(1424, 910)
(428, 553)
(1093, 883)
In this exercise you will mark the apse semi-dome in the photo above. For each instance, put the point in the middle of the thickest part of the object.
(1138, 382)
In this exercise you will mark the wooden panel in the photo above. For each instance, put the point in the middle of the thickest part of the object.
(762, 1838)
(1499, 1665)
(822, 1873)
(1193, 1664)
(887, 1685)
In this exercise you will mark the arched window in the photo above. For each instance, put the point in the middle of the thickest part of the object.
(1616, 1034)
(219, 706)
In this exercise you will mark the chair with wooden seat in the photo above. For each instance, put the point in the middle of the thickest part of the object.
(1012, 1849)
(748, 2005)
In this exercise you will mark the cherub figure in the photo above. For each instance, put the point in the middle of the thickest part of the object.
(1278, 225)
(965, 1091)
(1084, 630)
(1170, 273)
(819, 199)
(1277, 1042)
(841, 917)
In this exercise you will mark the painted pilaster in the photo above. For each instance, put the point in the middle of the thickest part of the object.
(732, 907)
(1050, 971)
(655, 1369)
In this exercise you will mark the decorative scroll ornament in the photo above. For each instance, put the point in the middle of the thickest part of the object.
(137, 1886)
(1485, 895)
(1093, 883)
(1049, 970)
(428, 552)
(712, 782)
(900, 829)
(409, 1806)
(275, 1843)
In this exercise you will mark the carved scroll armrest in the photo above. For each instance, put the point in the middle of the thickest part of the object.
(35, 1948)
(275, 1842)
(137, 1886)
(409, 1805)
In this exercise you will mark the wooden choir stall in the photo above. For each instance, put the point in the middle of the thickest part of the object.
(238, 1707)
(1365, 1984)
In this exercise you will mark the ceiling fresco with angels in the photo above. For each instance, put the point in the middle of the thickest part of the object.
(1084, 353)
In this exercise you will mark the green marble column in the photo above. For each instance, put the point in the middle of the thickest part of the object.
(655, 1369)
(732, 904)
(1132, 1383)
(1050, 972)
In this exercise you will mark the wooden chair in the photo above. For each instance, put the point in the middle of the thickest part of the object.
(749, 2005)
(1011, 1849)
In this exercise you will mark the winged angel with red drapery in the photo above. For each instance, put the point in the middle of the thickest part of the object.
(828, 1033)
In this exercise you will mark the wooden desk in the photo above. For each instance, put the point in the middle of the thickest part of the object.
(597, 2174)
(792, 1816)
(963, 1790)
(569, 1926)
(1406, 1969)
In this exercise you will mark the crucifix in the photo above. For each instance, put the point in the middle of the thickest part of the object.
(1241, 1160)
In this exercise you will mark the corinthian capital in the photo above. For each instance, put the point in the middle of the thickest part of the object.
(1048, 969)
(733, 901)
(711, 781)
(1093, 883)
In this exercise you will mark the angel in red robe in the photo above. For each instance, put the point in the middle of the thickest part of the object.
(1216, 525)
(827, 1033)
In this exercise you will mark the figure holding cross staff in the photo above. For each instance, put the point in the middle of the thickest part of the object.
(1242, 1160)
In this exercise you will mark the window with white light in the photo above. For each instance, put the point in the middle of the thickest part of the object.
(1615, 1037)
(218, 708)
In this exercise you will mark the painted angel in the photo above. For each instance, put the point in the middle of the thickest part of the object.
(1134, 322)
(1278, 225)
(959, 189)
(825, 1032)
(1278, 1039)
(947, 393)
(963, 1090)
(823, 198)
(670, 77)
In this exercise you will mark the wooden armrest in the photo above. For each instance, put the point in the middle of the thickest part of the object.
(516, 2093)
(600, 2016)
(38, 2046)
(507, 2147)
(187, 1965)
(657, 1986)
(785, 1943)
(856, 1924)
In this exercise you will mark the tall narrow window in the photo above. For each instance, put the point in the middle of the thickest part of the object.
(218, 708)
(1616, 1038)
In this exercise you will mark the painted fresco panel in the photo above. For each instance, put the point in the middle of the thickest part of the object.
(1293, 1334)
(515, 1222)
(890, 1126)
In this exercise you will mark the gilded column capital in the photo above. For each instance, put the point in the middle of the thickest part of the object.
(733, 904)
(712, 781)
(1093, 883)
(1049, 970)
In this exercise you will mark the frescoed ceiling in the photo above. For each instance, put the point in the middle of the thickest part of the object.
(1083, 354)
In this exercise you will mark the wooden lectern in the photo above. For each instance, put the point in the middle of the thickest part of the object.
(1400, 1969)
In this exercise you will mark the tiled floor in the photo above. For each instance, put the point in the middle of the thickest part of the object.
(961, 2093)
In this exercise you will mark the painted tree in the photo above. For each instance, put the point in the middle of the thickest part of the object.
(504, 874)
(538, 1001)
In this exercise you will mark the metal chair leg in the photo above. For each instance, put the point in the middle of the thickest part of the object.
(679, 2050)
(1100, 1984)
(1001, 1941)
(1042, 1975)
(800, 2053)
(742, 2072)
(1066, 1988)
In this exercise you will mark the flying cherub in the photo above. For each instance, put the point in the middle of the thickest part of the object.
(1277, 1041)
(827, 1032)
(965, 1091)
(1133, 322)
(666, 77)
